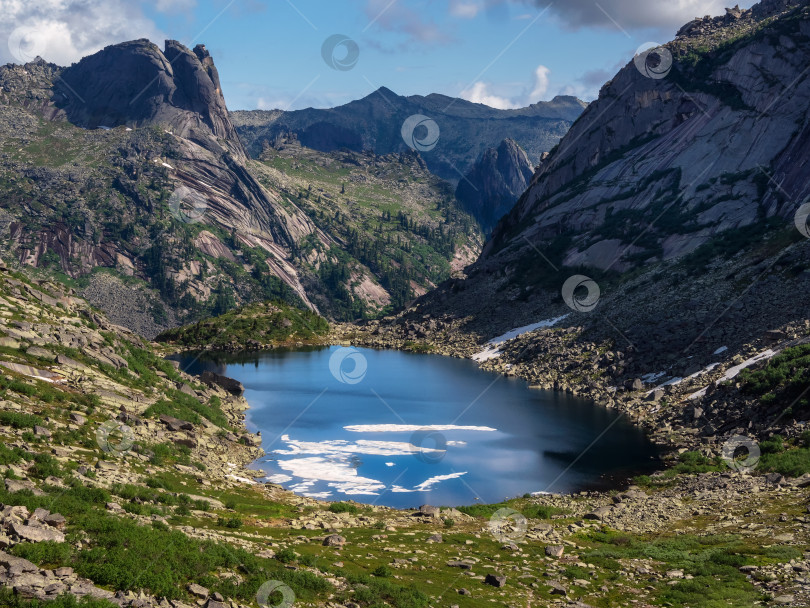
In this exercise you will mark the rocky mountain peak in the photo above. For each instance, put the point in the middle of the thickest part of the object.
(495, 182)
(136, 84)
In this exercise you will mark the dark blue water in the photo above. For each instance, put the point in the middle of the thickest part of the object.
(401, 429)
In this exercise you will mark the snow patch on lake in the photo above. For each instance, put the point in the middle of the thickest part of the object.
(428, 484)
(335, 462)
(337, 472)
(412, 428)
(341, 446)
(492, 349)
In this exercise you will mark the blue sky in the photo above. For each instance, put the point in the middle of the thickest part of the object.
(506, 53)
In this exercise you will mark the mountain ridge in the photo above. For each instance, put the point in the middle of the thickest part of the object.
(466, 129)
(175, 200)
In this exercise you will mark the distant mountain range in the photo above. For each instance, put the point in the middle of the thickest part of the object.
(462, 131)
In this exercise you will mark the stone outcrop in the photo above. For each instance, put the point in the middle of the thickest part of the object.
(166, 146)
(495, 182)
(135, 84)
(229, 384)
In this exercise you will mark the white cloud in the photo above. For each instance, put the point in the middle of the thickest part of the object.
(397, 17)
(175, 6)
(481, 92)
(634, 14)
(64, 31)
(464, 9)
(540, 84)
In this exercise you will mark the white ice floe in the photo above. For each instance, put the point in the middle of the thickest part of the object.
(456, 443)
(342, 447)
(428, 484)
(722, 349)
(412, 428)
(732, 372)
(390, 464)
(492, 349)
(337, 472)
(241, 479)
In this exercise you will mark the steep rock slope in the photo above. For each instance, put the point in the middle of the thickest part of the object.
(697, 148)
(494, 184)
(395, 229)
(465, 129)
(131, 152)
(675, 203)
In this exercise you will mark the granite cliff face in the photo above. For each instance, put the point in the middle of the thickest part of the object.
(697, 148)
(675, 196)
(150, 127)
(494, 184)
(134, 84)
(465, 129)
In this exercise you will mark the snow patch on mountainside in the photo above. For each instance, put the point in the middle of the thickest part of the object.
(492, 349)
